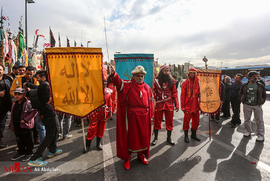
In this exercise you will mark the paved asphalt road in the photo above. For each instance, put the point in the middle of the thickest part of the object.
(227, 156)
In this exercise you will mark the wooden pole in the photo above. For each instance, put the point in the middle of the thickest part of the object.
(84, 142)
(209, 129)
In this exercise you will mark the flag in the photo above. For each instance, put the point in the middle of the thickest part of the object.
(75, 44)
(36, 31)
(59, 39)
(209, 82)
(68, 45)
(75, 77)
(125, 63)
(21, 45)
(52, 40)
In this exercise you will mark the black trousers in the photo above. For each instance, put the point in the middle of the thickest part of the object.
(216, 116)
(52, 133)
(236, 111)
(24, 141)
(226, 108)
(35, 132)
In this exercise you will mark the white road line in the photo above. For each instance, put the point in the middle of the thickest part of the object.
(109, 168)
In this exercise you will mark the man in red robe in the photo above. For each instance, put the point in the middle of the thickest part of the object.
(97, 120)
(134, 114)
(166, 97)
(190, 104)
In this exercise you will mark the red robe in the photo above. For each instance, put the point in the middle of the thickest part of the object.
(113, 96)
(165, 96)
(190, 92)
(134, 114)
(98, 117)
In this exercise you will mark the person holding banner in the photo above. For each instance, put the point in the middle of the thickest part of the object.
(98, 120)
(190, 104)
(134, 114)
(166, 97)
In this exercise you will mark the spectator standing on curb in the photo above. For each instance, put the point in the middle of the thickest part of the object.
(22, 122)
(235, 100)
(5, 101)
(253, 96)
(226, 104)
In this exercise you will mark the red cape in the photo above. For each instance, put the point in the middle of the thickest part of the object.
(123, 88)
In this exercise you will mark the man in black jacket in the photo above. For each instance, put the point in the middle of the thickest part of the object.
(235, 100)
(222, 98)
(226, 104)
(5, 101)
(49, 120)
(253, 96)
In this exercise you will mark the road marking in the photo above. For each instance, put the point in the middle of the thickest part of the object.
(109, 168)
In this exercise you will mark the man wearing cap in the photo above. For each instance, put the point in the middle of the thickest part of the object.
(165, 93)
(134, 113)
(253, 96)
(190, 104)
(27, 79)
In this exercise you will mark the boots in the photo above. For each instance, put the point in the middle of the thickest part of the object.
(186, 136)
(194, 136)
(154, 142)
(88, 143)
(169, 140)
(127, 162)
(99, 146)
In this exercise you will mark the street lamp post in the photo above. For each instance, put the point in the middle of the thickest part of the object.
(205, 61)
(88, 42)
(26, 1)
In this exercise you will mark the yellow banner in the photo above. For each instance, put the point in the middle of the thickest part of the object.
(209, 81)
(76, 79)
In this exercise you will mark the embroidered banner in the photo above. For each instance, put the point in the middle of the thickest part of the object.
(209, 81)
(125, 63)
(75, 76)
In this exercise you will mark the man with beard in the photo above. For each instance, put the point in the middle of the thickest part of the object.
(166, 102)
(253, 96)
(15, 71)
(190, 104)
(134, 114)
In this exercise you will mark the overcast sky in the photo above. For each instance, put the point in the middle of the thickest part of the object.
(234, 32)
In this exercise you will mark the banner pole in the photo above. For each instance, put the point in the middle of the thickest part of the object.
(209, 129)
(84, 142)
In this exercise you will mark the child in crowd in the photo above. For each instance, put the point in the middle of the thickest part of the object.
(22, 122)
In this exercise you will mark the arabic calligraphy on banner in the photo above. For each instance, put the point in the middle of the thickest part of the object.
(209, 81)
(76, 79)
(125, 63)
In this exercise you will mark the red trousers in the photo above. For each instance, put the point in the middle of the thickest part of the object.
(96, 129)
(195, 116)
(168, 119)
